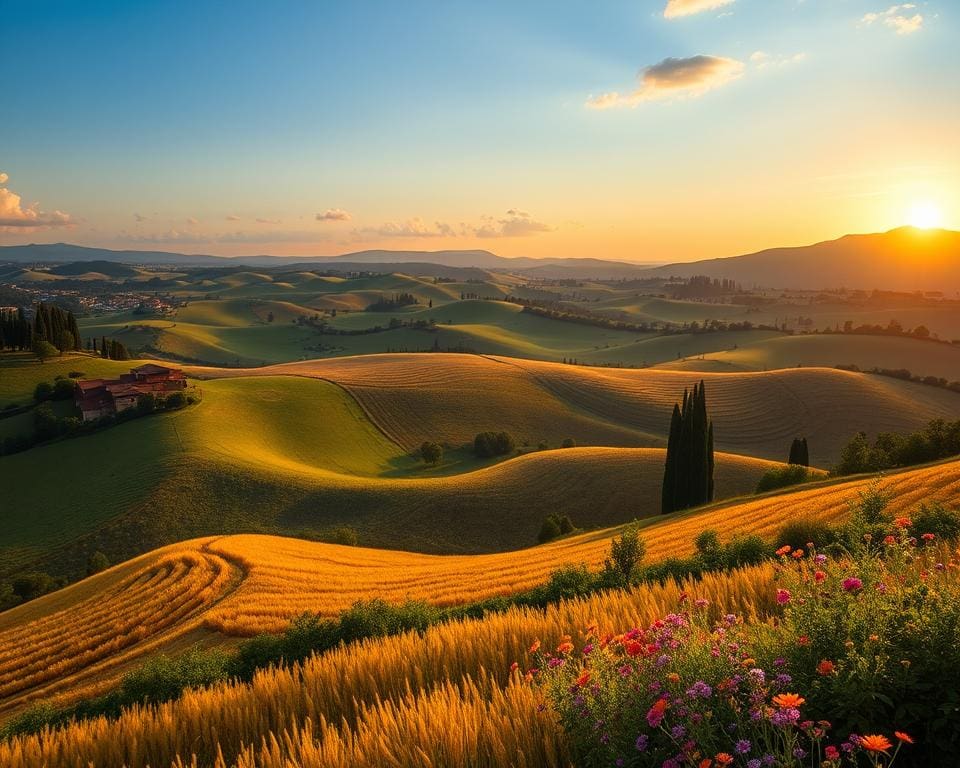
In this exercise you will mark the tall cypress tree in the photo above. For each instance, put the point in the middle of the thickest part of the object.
(688, 471)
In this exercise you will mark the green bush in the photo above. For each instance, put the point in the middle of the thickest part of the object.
(163, 678)
(802, 531)
(63, 389)
(489, 444)
(43, 391)
(936, 519)
(342, 534)
(783, 477)
(378, 618)
(550, 530)
(566, 582)
(431, 453)
(568, 442)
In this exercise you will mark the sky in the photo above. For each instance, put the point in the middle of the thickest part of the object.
(648, 130)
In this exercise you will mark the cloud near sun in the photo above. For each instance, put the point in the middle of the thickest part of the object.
(15, 217)
(674, 78)
(677, 8)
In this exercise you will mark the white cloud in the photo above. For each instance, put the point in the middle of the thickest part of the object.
(192, 221)
(516, 224)
(15, 217)
(415, 227)
(896, 18)
(677, 8)
(267, 221)
(333, 214)
(232, 217)
(674, 78)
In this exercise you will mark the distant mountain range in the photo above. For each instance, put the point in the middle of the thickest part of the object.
(904, 259)
(901, 259)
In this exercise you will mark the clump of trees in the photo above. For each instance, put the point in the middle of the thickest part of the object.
(799, 452)
(940, 439)
(688, 473)
(397, 301)
(16, 332)
(110, 349)
(555, 526)
(783, 477)
(489, 444)
(431, 453)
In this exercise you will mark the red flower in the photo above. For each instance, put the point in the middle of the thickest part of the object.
(783, 596)
(784, 549)
(656, 712)
(584, 678)
(928, 537)
(634, 648)
(825, 668)
(904, 737)
(723, 758)
(819, 576)
(831, 753)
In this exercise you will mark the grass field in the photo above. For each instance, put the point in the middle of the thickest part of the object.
(924, 358)
(295, 455)
(214, 589)
(450, 398)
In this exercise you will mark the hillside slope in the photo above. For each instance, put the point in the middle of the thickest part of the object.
(213, 589)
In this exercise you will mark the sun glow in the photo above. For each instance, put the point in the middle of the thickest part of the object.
(925, 215)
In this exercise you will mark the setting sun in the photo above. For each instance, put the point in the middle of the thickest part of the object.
(925, 215)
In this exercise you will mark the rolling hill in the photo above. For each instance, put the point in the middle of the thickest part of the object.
(902, 259)
(217, 588)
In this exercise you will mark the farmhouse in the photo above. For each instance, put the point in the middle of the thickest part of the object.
(100, 397)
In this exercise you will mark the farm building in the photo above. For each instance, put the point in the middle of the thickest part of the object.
(100, 397)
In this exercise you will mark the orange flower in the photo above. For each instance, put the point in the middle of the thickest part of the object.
(904, 737)
(788, 700)
(876, 743)
(584, 678)
(535, 647)
(903, 522)
(797, 554)
(565, 647)
(784, 549)
(723, 758)
(825, 668)
(673, 677)
(705, 763)
(803, 640)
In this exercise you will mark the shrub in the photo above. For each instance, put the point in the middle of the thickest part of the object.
(175, 400)
(163, 678)
(489, 444)
(342, 534)
(568, 442)
(43, 391)
(377, 618)
(431, 453)
(63, 389)
(936, 519)
(783, 477)
(97, 562)
(550, 530)
(32, 585)
(542, 446)
(802, 531)
(626, 553)
(146, 403)
(566, 582)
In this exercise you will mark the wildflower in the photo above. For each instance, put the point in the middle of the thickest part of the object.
(852, 584)
(875, 743)
(784, 549)
(820, 559)
(928, 537)
(565, 647)
(705, 763)
(755, 763)
(514, 667)
(742, 747)
(723, 758)
(797, 554)
(587, 649)
(535, 647)
(673, 677)
(903, 737)
(903, 522)
(819, 576)
(831, 753)
(701, 602)
(888, 540)
(678, 732)
(700, 690)
(874, 638)
(788, 700)
(783, 596)
(642, 742)
(634, 648)
(785, 717)
(825, 668)
(656, 712)
(584, 678)
(803, 640)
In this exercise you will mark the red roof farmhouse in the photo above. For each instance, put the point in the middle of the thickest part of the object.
(100, 397)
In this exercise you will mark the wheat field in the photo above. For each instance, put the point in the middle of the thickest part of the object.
(234, 586)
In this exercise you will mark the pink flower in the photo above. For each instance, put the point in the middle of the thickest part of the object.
(783, 596)
(656, 713)
(852, 584)
(928, 537)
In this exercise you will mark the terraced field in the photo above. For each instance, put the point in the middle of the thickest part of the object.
(451, 398)
(239, 585)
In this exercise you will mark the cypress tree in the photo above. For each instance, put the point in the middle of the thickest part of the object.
(668, 494)
(688, 471)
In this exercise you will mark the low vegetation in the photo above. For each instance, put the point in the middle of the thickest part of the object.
(940, 439)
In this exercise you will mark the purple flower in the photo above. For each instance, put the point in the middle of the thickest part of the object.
(769, 760)
(701, 602)
(820, 559)
(784, 718)
(642, 742)
(663, 660)
(784, 679)
(742, 747)
(678, 732)
(755, 763)
(555, 662)
(700, 690)
(587, 648)
(799, 753)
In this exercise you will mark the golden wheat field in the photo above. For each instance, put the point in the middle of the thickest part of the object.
(450, 398)
(445, 697)
(219, 588)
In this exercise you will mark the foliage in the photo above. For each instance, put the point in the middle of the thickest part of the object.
(431, 452)
(97, 562)
(489, 444)
(626, 553)
(554, 526)
(938, 440)
(799, 452)
(688, 472)
(342, 534)
(783, 477)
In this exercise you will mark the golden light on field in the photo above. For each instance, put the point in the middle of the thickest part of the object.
(925, 215)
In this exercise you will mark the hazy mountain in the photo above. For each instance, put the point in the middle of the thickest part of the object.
(903, 259)
(109, 268)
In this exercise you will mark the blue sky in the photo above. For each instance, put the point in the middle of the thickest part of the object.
(229, 127)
